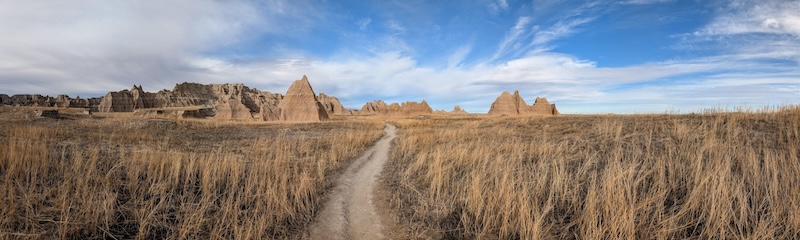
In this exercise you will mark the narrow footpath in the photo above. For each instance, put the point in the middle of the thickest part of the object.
(350, 212)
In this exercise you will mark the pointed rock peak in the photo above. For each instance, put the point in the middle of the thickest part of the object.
(540, 100)
(301, 87)
(301, 104)
(505, 93)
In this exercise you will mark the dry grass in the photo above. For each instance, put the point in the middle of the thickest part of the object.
(145, 178)
(700, 176)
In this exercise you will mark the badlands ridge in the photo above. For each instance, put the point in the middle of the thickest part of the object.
(236, 101)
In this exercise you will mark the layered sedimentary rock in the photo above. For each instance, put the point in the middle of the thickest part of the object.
(5, 99)
(121, 101)
(32, 100)
(228, 101)
(175, 113)
(332, 105)
(542, 107)
(46, 114)
(509, 105)
(78, 102)
(373, 108)
(458, 111)
(406, 109)
(513, 105)
(235, 101)
(37, 100)
(301, 104)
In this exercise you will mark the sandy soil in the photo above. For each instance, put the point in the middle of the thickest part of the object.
(351, 211)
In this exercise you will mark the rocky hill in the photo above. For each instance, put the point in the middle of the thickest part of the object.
(48, 101)
(301, 104)
(406, 109)
(513, 105)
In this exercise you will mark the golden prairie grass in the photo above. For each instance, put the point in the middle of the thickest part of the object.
(148, 178)
(701, 176)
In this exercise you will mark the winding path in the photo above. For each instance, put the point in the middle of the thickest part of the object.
(350, 212)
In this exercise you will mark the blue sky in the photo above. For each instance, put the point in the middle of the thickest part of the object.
(586, 56)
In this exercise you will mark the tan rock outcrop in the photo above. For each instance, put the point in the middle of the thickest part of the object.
(542, 107)
(301, 104)
(458, 111)
(514, 105)
(228, 101)
(332, 105)
(269, 106)
(121, 101)
(373, 108)
(406, 109)
(509, 105)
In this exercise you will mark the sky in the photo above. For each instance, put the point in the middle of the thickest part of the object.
(623, 56)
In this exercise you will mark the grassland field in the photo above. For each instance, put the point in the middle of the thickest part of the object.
(720, 175)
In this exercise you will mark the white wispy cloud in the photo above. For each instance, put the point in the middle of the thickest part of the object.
(52, 47)
(496, 6)
(747, 17)
(395, 26)
(644, 2)
(511, 40)
(363, 23)
(559, 30)
(753, 30)
(458, 56)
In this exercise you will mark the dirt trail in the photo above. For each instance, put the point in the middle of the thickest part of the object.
(350, 212)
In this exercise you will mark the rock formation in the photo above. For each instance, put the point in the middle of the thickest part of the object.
(5, 99)
(373, 108)
(174, 113)
(508, 105)
(406, 109)
(513, 105)
(228, 101)
(46, 114)
(37, 100)
(301, 104)
(332, 105)
(458, 111)
(542, 107)
(121, 101)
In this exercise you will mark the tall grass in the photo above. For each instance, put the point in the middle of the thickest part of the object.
(145, 179)
(719, 176)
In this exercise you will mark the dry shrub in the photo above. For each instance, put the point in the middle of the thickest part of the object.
(719, 176)
(146, 179)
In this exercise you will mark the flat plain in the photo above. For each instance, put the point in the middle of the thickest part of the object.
(716, 175)
(725, 175)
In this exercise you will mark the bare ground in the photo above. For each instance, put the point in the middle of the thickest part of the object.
(352, 211)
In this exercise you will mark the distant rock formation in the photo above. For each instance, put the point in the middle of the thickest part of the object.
(5, 99)
(513, 105)
(509, 105)
(373, 108)
(406, 109)
(174, 113)
(229, 101)
(37, 100)
(458, 111)
(121, 101)
(301, 104)
(332, 105)
(542, 107)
